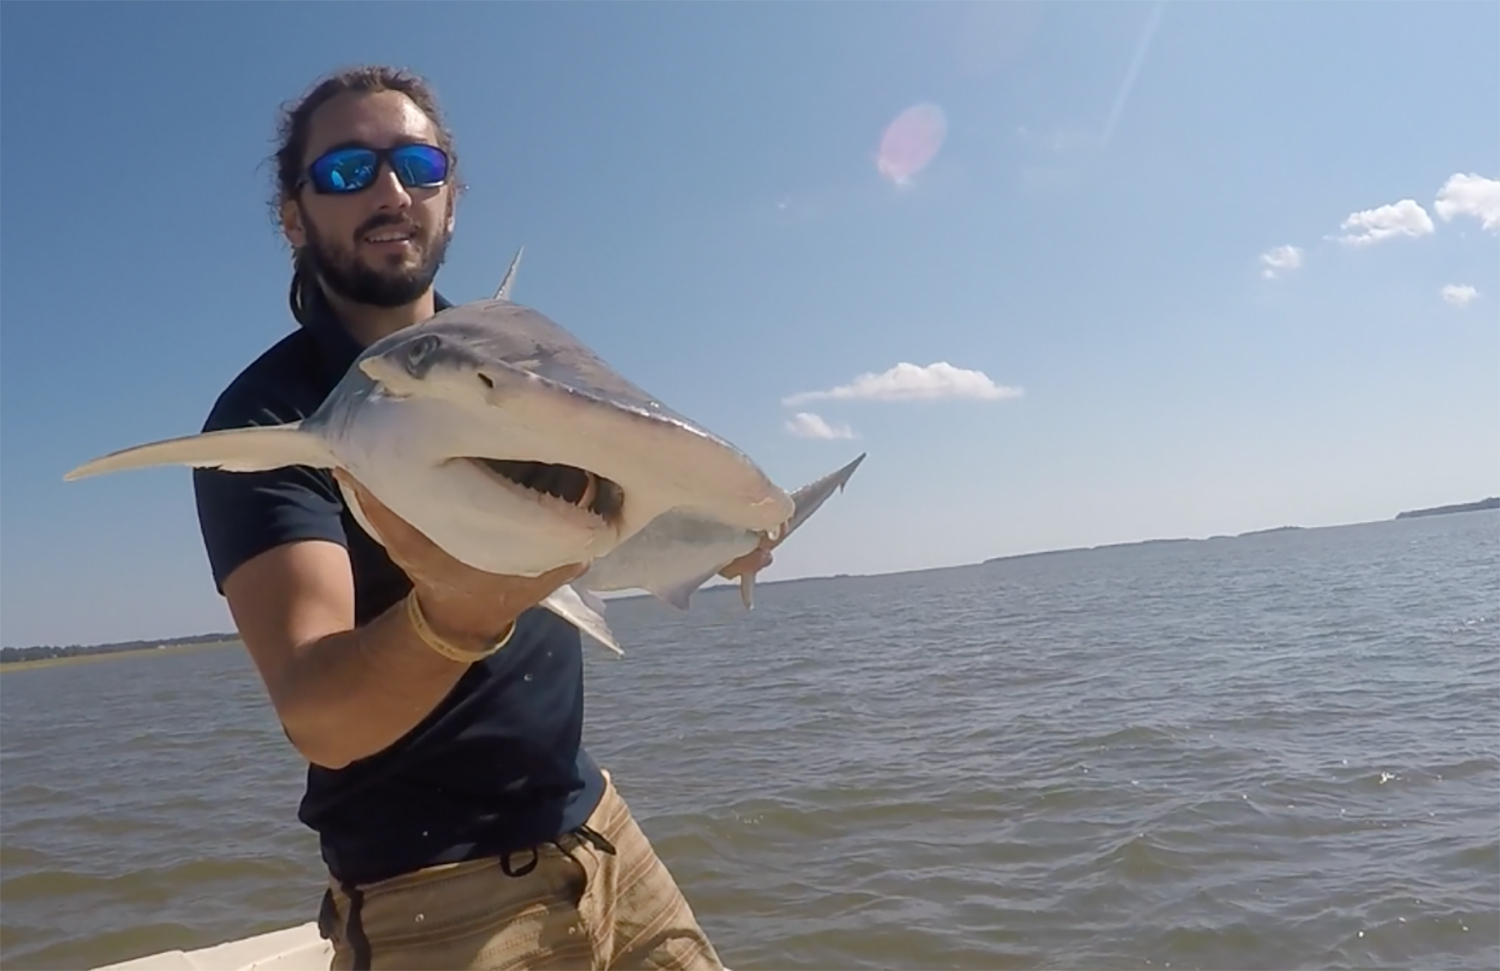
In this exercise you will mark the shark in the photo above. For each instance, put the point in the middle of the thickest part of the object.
(516, 449)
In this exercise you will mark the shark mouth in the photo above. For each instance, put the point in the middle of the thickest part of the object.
(573, 485)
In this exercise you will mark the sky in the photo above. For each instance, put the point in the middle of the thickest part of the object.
(1070, 274)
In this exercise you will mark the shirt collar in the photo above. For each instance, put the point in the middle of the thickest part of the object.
(335, 345)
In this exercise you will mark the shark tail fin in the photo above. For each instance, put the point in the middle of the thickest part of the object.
(252, 449)
(805, 500)
(808, 499)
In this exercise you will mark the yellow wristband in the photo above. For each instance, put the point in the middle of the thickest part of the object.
(431, 639)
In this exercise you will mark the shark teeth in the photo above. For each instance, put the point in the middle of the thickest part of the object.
(566, 484)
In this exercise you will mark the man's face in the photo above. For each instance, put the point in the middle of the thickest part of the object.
(347, 237)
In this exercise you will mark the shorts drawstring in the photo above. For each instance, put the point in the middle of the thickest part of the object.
(567, 843)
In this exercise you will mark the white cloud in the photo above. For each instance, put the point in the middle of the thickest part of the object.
(1278, 259)
(1404, 218)
(1470, 195)
(1459, 296)
(808, 425)
(908, 382)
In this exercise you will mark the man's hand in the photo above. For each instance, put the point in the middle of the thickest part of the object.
(461, 603)
(342, 690)
(755, 560)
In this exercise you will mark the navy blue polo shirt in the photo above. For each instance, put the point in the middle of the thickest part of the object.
(498, 766)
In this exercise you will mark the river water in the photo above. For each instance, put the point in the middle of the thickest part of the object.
(1278, 751)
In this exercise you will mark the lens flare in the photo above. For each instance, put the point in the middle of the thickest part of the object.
(911, 142)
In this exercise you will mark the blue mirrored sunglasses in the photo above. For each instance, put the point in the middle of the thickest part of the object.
(346, 170)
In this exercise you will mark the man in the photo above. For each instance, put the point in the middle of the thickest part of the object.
(461, 820)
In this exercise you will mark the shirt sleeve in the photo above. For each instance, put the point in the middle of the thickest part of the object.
(243, 514)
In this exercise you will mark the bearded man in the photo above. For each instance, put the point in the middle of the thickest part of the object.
(439, 708)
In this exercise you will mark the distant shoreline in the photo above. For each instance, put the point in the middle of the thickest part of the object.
(27, 658)
(32, 658)
(1491, 503)
(1480, 506)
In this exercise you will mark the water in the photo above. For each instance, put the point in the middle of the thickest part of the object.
(1281, 751)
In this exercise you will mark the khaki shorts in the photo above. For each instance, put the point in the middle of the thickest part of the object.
(580, 906)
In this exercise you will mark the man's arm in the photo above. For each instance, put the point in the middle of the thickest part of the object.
(341, 692)
(346, 692)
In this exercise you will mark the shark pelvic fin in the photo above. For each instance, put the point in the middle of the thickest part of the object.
(681, 595)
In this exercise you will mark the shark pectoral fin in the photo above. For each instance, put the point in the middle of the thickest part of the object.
(571, 606)
(680, 595)
(252, 449)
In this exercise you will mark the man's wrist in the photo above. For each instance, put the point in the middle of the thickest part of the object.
(451, 633)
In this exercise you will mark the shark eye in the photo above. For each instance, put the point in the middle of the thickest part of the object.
(420, 350)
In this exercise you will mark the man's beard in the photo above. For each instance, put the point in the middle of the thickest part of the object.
(355, 281)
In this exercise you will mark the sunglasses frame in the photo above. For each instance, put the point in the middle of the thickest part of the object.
(384, 157)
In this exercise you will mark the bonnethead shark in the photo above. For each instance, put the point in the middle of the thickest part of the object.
(516, 449)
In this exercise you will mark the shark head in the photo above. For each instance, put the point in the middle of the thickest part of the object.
(429, 364)
(507, 403)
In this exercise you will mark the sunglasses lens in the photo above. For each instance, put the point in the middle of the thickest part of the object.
(353, 169)
(345, 170)
(420, 166)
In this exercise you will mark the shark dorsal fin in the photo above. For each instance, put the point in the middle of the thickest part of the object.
(510, 276)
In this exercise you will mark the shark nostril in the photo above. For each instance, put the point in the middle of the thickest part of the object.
(488, 381)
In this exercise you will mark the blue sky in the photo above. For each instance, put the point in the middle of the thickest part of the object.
(1095, 251)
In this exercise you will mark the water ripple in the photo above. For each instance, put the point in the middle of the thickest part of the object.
(1281, 751)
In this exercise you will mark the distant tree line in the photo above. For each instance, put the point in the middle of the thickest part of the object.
(1491, 503)
(10, 655)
